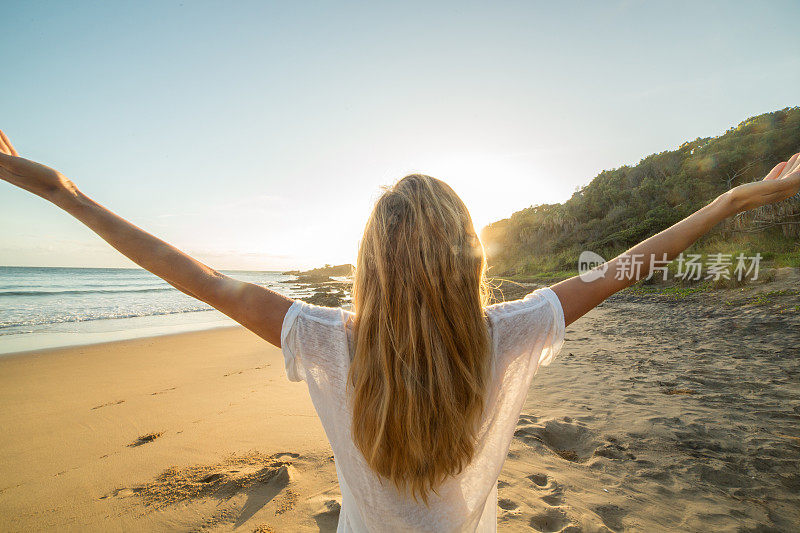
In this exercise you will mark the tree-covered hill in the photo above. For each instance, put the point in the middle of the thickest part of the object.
(621, 207)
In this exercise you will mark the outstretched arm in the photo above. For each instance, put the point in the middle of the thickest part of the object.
(578, 296)
(258, 309)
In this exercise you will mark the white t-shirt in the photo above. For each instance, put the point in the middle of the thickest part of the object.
(317, 343)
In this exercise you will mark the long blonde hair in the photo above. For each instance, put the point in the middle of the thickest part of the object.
(419, 374)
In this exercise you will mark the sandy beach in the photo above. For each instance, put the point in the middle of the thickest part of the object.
(662, 413)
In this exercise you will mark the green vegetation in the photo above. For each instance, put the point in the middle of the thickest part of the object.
(675, 292)
(621, 207)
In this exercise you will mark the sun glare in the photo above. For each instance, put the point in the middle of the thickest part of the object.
(488, 182)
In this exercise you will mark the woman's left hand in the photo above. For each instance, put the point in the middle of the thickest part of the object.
(39, 179)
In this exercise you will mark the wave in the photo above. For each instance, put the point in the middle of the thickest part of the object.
(84, 291)
(110, 316)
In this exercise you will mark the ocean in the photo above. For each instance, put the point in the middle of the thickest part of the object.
(46, 307)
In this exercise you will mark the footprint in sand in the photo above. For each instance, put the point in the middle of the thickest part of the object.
(538, 479)
(611, 515)
(565, 437)
(144, 439)
(613, 449)
(282, 455)
(327, 518)
(107, 404)
(507, 504)
(121, 493)
(162, 391)
(722, 477)
(550, 521)
(662, 476)
(555, 495)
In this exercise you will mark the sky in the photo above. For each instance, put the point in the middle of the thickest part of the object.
(257, 135)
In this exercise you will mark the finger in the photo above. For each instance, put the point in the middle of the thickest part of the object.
(790, 165)
(3, 148)
(776, 171)
(9, 147)
(796, 163)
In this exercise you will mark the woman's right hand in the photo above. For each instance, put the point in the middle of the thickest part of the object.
(39, 179)
(782, 182)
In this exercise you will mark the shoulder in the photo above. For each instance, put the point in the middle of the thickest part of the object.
(314, 337)
(539, 301)
(531, 325)
(324, 316)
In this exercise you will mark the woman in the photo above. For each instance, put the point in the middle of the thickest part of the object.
(420, 387)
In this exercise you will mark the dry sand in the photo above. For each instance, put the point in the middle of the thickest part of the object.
(660, 414)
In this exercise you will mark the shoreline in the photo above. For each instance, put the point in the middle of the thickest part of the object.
(90, 332)
(110, 344)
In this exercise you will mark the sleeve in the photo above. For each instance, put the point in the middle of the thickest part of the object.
(290, 345)
(314, 342)
(531, 328)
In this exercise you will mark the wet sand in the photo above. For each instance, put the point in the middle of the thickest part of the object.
(661, 413)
